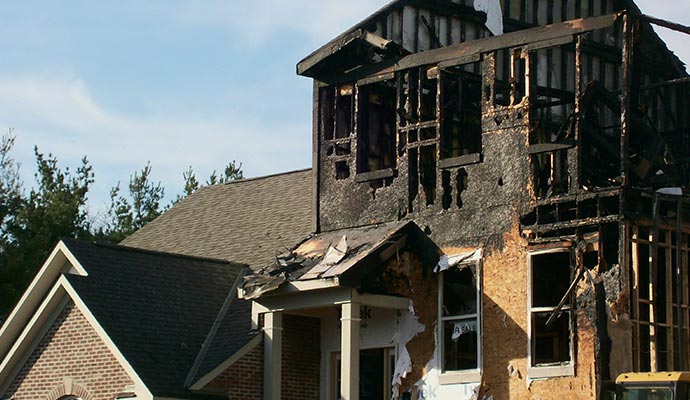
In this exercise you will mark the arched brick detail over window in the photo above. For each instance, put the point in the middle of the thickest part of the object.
(69, 390)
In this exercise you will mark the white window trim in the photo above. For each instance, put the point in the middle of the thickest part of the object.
(546, 371)
(470, 375)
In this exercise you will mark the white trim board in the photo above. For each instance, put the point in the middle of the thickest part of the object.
(60, 261)
(40, 322)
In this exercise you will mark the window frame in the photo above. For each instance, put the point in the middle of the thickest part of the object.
(382, 172)
(470, 375)
(548, 370)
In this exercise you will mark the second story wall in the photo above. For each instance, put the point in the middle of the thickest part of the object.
(469, 138)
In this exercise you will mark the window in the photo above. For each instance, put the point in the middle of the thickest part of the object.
(460, 327)
(336, 116)
(551, 345)
(462, 110)
(376, 126)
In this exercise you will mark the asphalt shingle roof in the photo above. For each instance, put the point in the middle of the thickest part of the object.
(233, 332)
(158, 308)
(247, 221)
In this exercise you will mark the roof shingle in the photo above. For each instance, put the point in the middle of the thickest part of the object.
(158, 308)
(247, 221)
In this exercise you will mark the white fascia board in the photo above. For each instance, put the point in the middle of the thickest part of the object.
(39, 325)
(204, 380)
(55, 265)
(29, 338)
(140, 388)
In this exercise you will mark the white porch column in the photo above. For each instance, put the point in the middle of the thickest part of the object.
(349, 351)
(273, 352)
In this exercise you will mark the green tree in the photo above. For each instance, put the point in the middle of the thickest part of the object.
(10, 189)
(54, 208)
(130, 212)
(10, 202)
(232, 172)
(32, 223)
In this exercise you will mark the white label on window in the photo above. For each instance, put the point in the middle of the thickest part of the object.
(463, 327)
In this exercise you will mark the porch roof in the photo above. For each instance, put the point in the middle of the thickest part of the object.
(340, 258)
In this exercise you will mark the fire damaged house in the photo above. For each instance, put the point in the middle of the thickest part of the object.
(496, 209)
(502, 184)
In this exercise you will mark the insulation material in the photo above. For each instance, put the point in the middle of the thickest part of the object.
(494, 14)
(407, 329)
(450, 261)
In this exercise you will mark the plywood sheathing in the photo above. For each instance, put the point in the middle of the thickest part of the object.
(505, 333)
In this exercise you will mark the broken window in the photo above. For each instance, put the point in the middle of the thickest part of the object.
(462, 110)
(459, 319)
(336, 116)
(551, 339)
(418, 131)
(376, 119)
(552, 105)
(344, 111)
(509, 85)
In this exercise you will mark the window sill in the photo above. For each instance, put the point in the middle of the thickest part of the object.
(375, 175)
(454, 377)
(551, 371)
(459, 161)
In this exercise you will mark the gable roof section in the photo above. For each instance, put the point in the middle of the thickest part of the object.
(246, 221)
(59, 261)
(157, 308)
(37, 310)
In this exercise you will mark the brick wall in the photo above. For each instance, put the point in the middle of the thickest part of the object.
(301, 365)
(244, 379)
(70, 359)
(301, 357)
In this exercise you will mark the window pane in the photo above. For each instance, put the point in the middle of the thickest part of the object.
(551, 345)
(460, 345)
(550, 278)
(459, 292)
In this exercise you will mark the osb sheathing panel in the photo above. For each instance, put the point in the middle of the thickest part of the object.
(505, 333)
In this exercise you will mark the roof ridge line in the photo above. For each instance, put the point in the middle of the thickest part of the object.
(116, 246)
(256, 178)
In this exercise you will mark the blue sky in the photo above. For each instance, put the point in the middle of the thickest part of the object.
(176, 83)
